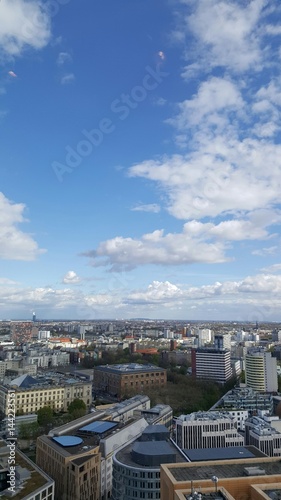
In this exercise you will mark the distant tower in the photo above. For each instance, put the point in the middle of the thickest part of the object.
(33, 317)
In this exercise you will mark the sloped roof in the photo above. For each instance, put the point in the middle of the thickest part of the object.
(25, 381)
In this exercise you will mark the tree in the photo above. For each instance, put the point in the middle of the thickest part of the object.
(45, 416)
(29, 430)
(77, 405)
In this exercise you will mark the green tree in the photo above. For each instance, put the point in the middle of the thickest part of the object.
(77, 405)
(29, 430)
(45, 416)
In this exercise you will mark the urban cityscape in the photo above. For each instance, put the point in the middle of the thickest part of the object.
(140, 409)
(140, 281)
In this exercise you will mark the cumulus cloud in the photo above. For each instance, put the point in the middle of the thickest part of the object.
(156, 248)
(197, 243)
(71, 278)
(14, 243)
(166, 291)
(254, 297)
(224, 33)
(213, 97)
(221, 176)
(23, 24)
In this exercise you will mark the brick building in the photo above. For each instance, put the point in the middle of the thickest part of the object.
(122, 379)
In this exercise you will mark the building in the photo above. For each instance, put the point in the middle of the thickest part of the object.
(211, 364)
(159, 414)
(31, 483)
(222, 341)
(128, 408)
(247, 479)
(262, 433)
(50, 390)
(78, 455)
(124, 379)
(207, 430)
(261, 370)
(242, 403)
(44, 334)
(204, 336)
(136, 467)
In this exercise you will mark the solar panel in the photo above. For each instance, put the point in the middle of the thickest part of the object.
(68, 440)
(98, 427)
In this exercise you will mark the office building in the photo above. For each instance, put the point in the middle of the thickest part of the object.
(242, 403)
(222, 341)
(211, 364)
(78, 455)
(136, 467)
(264, 432)
(207, 430)
(261, 370)
(124, 379)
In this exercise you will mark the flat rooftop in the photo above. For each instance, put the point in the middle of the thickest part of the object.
(129, 368)
(90, 435)
(229, 453)
(191, 471)
(31, 477)
(125, 454)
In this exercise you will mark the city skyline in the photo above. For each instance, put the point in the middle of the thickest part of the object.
(140, 159)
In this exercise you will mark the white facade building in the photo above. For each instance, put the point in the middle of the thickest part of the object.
(207, 430)
(261, 371)
(260, 432)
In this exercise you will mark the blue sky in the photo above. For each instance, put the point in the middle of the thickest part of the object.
(140, 159)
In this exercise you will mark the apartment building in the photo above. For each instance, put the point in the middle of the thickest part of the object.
(121, 379)
(32, 394)
(207, 430)
(261, 370)
(211, 364)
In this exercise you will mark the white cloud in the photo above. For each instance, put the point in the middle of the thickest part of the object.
(251, 298)
(198, 243)
(221, 176)
(23, 24)
(273, 29)
(71, 278)
(68, 78)
(275, 268)
(156, 248)
(213, 97)
(225, 33)
(166, 291)
(156, 292)
(150, 207)
(63, 57)
(265, 252)
(15, 244)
